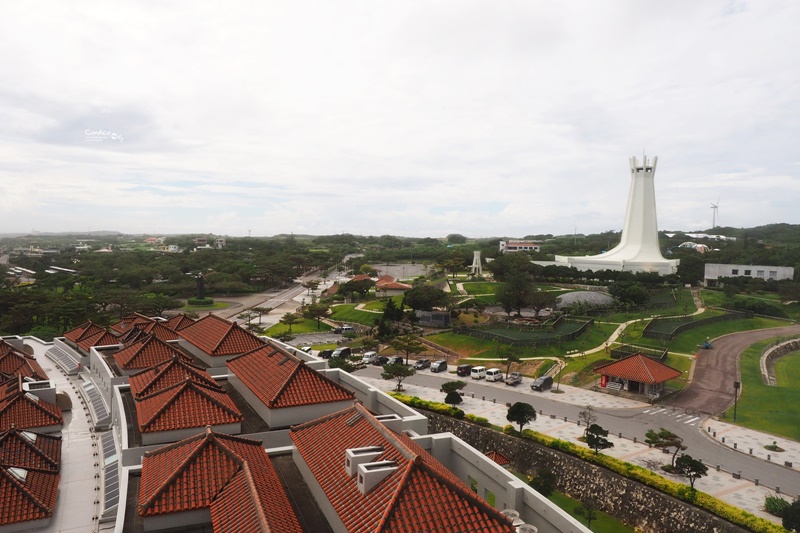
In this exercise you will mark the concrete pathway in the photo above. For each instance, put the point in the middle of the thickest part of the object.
(741, 493)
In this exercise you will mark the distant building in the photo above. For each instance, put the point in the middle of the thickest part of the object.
(714, 271)
(519, 246)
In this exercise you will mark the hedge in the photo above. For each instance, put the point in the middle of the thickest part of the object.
(637, 473)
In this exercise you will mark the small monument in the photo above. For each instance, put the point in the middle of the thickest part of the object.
(638, 251)
(476, 269)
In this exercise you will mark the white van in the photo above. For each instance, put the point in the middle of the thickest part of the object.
(369, 357)
(478, 372)
(494, 374)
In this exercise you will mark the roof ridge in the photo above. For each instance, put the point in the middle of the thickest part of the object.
(204, 442)
(173, 394)
(285, 384)
(33, 449)
(223, 337)
(320, 420)
(388, 434)
(390, 506)
(251, 487)
(206, 394)
(28, 494)
(647, 368)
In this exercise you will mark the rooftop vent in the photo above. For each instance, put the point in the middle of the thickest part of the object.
(370, 474)
(357, 456)
(392, 421)
(20, 473)
(32, 397)
(527, 528)
(30, 436)
(46, 389)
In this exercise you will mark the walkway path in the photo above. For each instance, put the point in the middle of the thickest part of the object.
(741, 493)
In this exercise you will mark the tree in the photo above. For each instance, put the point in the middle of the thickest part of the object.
(588, 417)
(391, 312)
(311, 285)
(341, 363)
(521, 413)
(515, 293)
(629, 292)
(317, 312)
(290, 319)
(261, 311)
(544, 483)
(407, 344)
(596, 438)
(455, 238)
(663, 438)
(588, 510)
(509, 358)
(425, 298)
(453, 398)
(399, 372)
(689, 467)
(541, 300)
(791, 516)
(449, 386)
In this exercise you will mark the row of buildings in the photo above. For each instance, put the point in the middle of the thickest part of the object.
(202, 426)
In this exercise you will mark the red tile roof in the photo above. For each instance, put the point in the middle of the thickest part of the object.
(498, 457)
(129, 321)
(24, 410)
(392, 285)
(147, 353)
(232, 475)
(155, 328)
(101, 338)
(178, 322)
(420, 495)
(280, 379)
(361, 277)
(219, 337)
(185, 405)
(167, 374)
(84, 330)
(39, 456)
(639, 368)
(16, 363)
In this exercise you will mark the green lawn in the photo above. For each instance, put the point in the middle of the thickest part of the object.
(774, 410)
(604, 523)
(480, 287)
(687, 342)
(378, 305)
(306, 326)
(199, 308)
(349, 313)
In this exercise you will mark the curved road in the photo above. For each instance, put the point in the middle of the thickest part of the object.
(715, 370)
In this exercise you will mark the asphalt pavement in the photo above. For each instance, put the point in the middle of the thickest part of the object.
(744, 488)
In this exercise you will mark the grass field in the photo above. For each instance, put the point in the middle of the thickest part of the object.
(198, 308)
(774, 410)
(349, 313)
(604, 523)
(306, 326)
(687, 342)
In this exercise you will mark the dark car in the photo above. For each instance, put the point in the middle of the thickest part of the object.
(463, 370)
(439, 366)
(342, 352)
(325, 354)
(396, 360)
(422, 363)
(542, 383)
(380, 361)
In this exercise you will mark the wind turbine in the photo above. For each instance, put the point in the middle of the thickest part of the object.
(715, 213)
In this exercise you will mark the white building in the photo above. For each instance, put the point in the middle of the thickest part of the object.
(714, 271)
(519, 246)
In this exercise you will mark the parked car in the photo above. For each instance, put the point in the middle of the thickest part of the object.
(494, 374)
(380, 360)
(337, 330)
(396, 360)
(439, 366)
(369, 357)
(422, 363)
(542, 383)
(344, 351)
(478, 372)
(463, 370)
(325, 354)
(347, 329)
(515, 378)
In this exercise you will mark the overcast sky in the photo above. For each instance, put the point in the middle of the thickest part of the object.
(413, 118)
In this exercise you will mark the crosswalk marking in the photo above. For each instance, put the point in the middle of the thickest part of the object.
(677, 415)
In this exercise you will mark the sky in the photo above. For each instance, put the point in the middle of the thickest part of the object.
(411, 118)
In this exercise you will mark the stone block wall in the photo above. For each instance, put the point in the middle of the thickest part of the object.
(647, 509)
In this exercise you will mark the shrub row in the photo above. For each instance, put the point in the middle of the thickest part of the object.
(200, 301)
(436, 407)
(642, 475)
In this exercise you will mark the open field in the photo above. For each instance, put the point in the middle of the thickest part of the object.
(774, 410)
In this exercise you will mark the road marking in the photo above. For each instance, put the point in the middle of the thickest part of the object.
(695, 419)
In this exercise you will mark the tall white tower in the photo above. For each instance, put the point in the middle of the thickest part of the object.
(638, 251)
(476, 269)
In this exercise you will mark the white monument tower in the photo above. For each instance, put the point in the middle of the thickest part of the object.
(638, 251)
(476, 269)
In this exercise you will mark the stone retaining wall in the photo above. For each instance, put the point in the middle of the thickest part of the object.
(634, 503)
(769, 356)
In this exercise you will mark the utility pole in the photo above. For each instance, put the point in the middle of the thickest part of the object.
(736, 385)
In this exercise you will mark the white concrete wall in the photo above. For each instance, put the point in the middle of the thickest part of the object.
(165, 437)
(323, 503)
(714, 271)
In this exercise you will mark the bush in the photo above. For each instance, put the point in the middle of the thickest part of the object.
(200, 301)
(775, 505)
(481, 421)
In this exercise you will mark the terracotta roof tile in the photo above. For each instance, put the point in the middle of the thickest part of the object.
(84, 330)
(23, 410)
(16, 363)
(30, 450)
(178, 322)
(219, 337)
(101, 338)
(35, 499)
(361, 277)
(280, 379)
(185, 405)
(420, 495)
(129, 321)
(498, 457)
(639, 368)
(167, 374)
(232, 475)
(147, 353)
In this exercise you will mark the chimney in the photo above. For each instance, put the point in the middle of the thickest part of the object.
(370, 474)
(357, 456)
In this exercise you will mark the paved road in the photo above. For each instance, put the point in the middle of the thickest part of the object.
(711, 389)
(633, 421)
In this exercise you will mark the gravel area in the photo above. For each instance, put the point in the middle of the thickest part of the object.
(590, 297)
